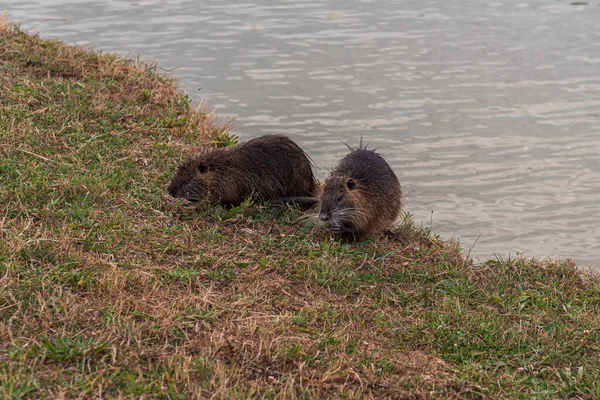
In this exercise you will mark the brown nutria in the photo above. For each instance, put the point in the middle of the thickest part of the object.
(361, 195)
(269, 167)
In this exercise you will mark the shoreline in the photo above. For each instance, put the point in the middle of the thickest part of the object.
(109, 288)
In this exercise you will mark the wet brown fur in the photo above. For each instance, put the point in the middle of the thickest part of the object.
(361, 195)
(268, 167)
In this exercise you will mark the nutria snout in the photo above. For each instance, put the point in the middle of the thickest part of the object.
(268, 167)
(361, 195)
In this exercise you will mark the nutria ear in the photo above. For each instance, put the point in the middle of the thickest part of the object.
(203, 168)
(350, 184)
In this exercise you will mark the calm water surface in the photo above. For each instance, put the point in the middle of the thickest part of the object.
(488, 111)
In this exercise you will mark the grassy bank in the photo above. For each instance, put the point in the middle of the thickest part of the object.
(109, 288)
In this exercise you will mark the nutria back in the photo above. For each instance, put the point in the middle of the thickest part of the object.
(268, 167)
(361, 195)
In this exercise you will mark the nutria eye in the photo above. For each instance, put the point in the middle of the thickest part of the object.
(350, 184)
(203, 168)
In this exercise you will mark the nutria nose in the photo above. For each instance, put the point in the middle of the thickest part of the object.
(323, 216)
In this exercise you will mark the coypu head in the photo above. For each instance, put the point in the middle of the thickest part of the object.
(192, 179)
(338, 204)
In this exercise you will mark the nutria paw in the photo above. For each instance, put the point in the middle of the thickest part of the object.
(391, 235)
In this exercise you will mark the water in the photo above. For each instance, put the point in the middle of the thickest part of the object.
(487, 111)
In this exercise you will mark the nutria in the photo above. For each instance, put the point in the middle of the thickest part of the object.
(361, 195)
(268, 167)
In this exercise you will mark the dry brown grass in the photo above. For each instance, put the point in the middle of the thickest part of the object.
(5, 23)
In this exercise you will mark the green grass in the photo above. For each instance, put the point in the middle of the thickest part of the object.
(110, 288)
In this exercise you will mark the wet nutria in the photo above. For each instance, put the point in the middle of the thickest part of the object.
(361, 195)
(268, 167)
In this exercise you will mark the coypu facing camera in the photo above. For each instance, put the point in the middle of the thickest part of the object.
(361, 195)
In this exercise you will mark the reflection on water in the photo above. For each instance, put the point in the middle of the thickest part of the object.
(488, 112)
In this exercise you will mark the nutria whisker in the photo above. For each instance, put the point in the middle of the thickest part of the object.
(349, 214)
(311, 220)
(308, 217)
